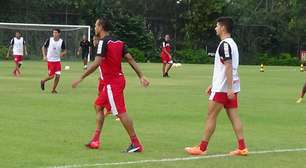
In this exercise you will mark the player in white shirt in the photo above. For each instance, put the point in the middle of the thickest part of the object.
(53, 49)
(224, 90)
(18, 48)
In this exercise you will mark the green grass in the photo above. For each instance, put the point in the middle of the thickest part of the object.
(38, 129)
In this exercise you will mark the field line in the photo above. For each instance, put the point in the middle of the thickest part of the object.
(176, 159)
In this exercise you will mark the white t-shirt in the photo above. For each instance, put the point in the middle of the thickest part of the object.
(227, 50)
(54, 49)
(17, 45)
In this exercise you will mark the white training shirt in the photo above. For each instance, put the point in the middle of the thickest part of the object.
(54, 49)
(17, 45)
(227, 50)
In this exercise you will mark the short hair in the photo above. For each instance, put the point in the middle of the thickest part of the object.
(227, 22)
(105, 23)
(18, 32)
(58, 30)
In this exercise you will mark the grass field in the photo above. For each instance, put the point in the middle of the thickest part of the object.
(40, 130)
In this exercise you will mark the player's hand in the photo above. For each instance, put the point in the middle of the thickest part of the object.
(230, 94)
(76, 83)
(45, 58)
(62, 55)
(144, 82)
(78, 53)
(208, 90)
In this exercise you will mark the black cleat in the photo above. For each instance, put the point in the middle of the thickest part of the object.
(133, 148)
(42, 85)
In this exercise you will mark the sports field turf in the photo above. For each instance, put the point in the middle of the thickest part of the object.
(40, 130)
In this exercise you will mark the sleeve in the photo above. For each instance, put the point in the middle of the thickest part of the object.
(12, 42)
(125, 50)
(63, 47)
(46, 44)
(80, 43)
(101, 49)
(225, 51)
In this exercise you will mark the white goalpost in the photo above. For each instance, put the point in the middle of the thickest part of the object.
(36, 34)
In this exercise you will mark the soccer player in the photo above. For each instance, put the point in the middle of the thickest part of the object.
(166, 56)
(109, 55)
(224, 90)
(53, 49)
(300, 99)
(17, 45)
(84, 48)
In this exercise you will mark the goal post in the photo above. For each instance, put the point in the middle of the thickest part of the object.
(36, 34)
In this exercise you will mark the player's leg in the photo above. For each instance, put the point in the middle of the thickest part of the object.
(129, 127)
(95, 140)
(302, 94)
(232, 114)
(85, 61)
(164, 69)
(210, 125)
(168, 67)
(55, 82)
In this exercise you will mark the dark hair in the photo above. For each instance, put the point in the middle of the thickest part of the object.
(58, 30)
(105, 23)
(227, 22)
(18, 32)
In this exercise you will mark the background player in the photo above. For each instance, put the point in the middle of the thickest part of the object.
(18, 46)
(84, 49)
(302, 94)
(53, 49)
(166, 56)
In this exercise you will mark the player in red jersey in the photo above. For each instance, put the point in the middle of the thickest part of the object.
(110, 52)
(18, 48)
(166, 56)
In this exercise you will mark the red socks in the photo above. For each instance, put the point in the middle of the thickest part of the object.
(203, 145)
(96, 136)
(241, 144)
(135, 141)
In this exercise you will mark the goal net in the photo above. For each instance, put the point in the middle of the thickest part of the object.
(36, 34)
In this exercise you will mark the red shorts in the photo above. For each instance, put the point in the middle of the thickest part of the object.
(166, 59)
(100, 88)
(221, 97)
(112, 95)
(18, 59)
(54, 68)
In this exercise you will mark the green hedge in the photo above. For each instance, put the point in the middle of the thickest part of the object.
(138, 55)
(3, 52)
(193, 56)
(282, 59)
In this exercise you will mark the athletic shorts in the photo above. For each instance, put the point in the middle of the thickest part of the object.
(166, 59)
(18, 59)
(84, 55)
(112, 95)
(221, 97)
(100, 88)
(54, 68)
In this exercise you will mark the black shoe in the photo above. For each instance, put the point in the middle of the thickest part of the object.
(42, 85)
(167, 75)
(133, 148)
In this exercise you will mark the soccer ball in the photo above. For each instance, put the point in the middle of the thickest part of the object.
(67, 67)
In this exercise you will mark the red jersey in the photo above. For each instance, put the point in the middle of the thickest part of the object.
(112, 51)
(165, 47)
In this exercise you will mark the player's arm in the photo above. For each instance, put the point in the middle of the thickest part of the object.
(64, 50)
(88, 71)
(226, 55)
(128, 57)
(9, 51)
(10, 48)
(79, 49)
(44, 49)
(25, 48)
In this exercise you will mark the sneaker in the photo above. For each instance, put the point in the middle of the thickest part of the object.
(195, 151)
(93, 145)
(133, 148)
(239, 152)
(42, 85)
(299, 100)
